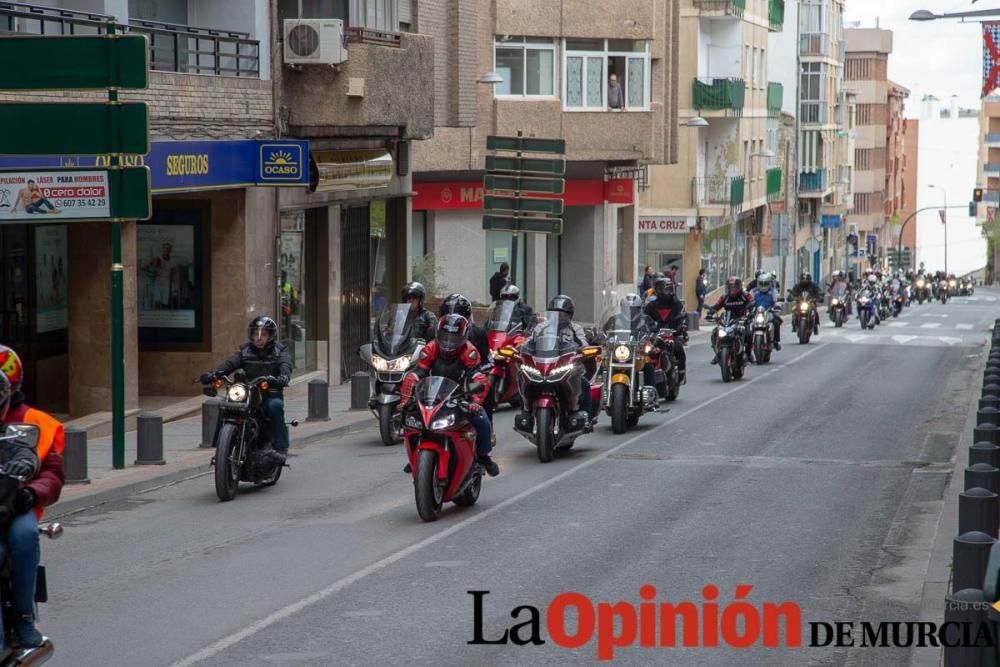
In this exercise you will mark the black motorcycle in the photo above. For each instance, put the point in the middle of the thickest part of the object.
(727, 342)
(805, 319)
(243, 451)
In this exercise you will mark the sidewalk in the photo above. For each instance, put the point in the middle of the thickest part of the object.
(184, 458)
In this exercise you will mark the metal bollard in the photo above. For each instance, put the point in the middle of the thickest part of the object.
(978, 510)
(970, 553)
(693, 321)
(75, 456)
(360, 390)
(319, 401)
(986, 433)
(984, 452)
(989, 401)
(991, 390)
(988, 415)
(991, 376)
(984, 476)
(149, 440)
(209, 421)
(966, 608)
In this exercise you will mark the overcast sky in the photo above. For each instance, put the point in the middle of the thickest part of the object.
(942, 57)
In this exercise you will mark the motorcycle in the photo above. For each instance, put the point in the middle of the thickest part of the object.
(627, 349)
(243, 435)
(549, 382)
(503, 331)
(804, 318)
(441, 446)
(922, 292)
(898, 301)
(390, 356)
(838, 309)
(762, 334)
(943, 290)
(966, 288)
(867, 309)
(727, 342)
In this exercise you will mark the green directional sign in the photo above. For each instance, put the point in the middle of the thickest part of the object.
(84, 62)
(547, 186)
(130, 195)
(74, 129)
(526, 165)
(526, 144)
(513, 224)
(523, 204)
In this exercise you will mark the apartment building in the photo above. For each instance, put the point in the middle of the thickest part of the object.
(988, 178)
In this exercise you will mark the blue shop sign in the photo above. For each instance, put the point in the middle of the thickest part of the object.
(183, 166)
(829, 221)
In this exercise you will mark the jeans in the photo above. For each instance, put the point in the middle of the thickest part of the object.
(274, 407)
(701, 304)
(482, 425)
(36, 206)
(649, 375)
(25, 554)
(586, 403)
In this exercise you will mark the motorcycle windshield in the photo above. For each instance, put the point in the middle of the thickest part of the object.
(838, 289)
(500, 317)
(394, 330)
(434, 389)
(546, 340)
(621, 327)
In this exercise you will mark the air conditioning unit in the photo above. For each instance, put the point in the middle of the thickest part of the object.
(314, 42)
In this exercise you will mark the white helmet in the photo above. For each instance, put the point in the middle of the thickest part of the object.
(764, 281)
(872, 279)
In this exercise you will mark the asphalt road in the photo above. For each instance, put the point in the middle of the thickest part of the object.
(816, 480)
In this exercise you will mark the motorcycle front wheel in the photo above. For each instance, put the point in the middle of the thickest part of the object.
(545, 435)
(758, 351)
(389, 425)
(619, 408)
(227, 468)
(428, 493)
(725, 364)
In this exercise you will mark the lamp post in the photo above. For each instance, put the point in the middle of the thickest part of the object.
(695, 122)
(925, 15)
(944, 221)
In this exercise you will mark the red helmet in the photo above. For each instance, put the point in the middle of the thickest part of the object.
(734, 285)
(11, 366)
(451, 333)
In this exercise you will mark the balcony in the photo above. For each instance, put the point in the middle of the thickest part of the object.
(816, 113)
(719, 94)
(776, 15)
(993, 140)
(815, 182)
(991, 168)
(737, 191)
(721, 8)
(814, 44)
(773, 184)
(710, 191)
(991, 197)
(775, 98)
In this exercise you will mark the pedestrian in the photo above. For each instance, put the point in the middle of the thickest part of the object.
(499, 281)
(647, 280)
(700, 290)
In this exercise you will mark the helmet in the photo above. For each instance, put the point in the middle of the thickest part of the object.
(262, 325)
(451, 333)
(764, 281)
(563, 304)
(872, 279)
(458, 304)
(734, 285)
(632, 301)
(5, 394)
(664, 287)
(414, 291)
(805, 277)
(837, 274)
(510, 293)
(10, 365)
(756, 274)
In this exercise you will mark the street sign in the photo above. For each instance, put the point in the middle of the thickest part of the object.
(526, 165)
(83, 62)
(526, 144)
(523, 204)
(509, 224)
(75, 194)
(73, 129)
(547, 186)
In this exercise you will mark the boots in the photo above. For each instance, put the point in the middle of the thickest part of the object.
(492, 469)
(27, 633)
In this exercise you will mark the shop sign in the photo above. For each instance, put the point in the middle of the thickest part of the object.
(654, 224)
(65, 195)
(345, 171)
(469, 194)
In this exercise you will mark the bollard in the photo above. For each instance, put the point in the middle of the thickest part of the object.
(986, 433)
(991, 376)
(149, 440)
(984, 476)
(210, 421)
(966, 608)
(693, 321)
(991, 390)
(984, 452)
(319, 401)
(988, 415)
(971, 552)
(989, 401)
(75, 456)
(978, 510)
(360, 390)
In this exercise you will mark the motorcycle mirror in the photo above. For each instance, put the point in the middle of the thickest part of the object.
(475, 388)
(293, 423)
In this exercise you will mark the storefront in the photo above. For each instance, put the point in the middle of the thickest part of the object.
(670, 242)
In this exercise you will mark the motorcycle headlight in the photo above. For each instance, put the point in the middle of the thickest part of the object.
(623, 353)
(237, 393)
(648, 348)
(402, 363)
(920, 283)
(413, 422)
(561, 370)
(834, 302)
(722, 333)
(760, 318)
(444, 422)
(531, 373)
(379, 363)
(951, 283)
(804, 306)
(863, 300)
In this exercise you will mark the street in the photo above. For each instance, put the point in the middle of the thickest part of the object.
(816, 479)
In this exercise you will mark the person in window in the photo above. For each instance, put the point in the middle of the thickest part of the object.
(616, 95)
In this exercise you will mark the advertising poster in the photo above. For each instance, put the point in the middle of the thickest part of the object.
(30, 195)
(51, 268)
(166, 281)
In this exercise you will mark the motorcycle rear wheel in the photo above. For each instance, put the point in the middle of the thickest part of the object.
(227, 471)
(673, 385)
(619, 408)
(545, 435)
(387, 425)
(426, 490)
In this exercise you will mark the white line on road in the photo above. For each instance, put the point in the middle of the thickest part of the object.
(903, 340)
(966, 327)
(935, 315)
(930, 325)
(294, 608)
(897, 324)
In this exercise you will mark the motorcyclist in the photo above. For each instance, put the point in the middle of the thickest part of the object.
(839, 287)
(809, 289)
(571, 332)
(460, 305)
(667, 312)
(451, 355)
(752, 285)
(262, 356)
(639, 320)
(522, 311)
(415, 294)
(764, 295)
(737, 303)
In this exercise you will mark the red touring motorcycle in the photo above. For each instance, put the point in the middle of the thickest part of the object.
(441, 446)
(549, 382)
(502, 332)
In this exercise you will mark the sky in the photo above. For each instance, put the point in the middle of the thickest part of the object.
(942, 57)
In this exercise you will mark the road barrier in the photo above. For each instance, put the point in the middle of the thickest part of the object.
(319, 401)
(75, 456)
(209, 421)
(149, 440)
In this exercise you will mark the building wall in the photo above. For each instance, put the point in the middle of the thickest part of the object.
(911, 147)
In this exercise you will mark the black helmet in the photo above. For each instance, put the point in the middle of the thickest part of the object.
(664, 287)
(734, 285)
(5, 393)
(563, 304)
(451, 333)
(806, 277)
(510, 293)
(457, 304)
(265, 325)
(756, 274)
(414, 291)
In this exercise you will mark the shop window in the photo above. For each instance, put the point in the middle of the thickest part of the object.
(527, 66)
(292, 288)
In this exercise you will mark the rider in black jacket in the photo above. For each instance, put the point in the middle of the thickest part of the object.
(667, 311)
(426, 324)
(263, 356)
(808, 288)
(459, 304)
(522, 311)
(737, 303)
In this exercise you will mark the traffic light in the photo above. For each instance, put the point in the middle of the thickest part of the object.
(977, 194)
(972, 209)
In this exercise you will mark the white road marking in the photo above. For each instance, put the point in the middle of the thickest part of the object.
(949, 340)
(897, 324)
(903, 340)
(935, 315)
(930, 325)
(342, 583)
(966, 327)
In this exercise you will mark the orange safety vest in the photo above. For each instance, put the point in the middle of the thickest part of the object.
(50, 434)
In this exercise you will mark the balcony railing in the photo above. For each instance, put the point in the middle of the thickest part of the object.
(774, 184)
(776, 15)
(172, 48)
(993, 139)
(737, 190)
(813, 112)
(715, 94)
(991, 168)
(814, 44)
(368, 36)
(813, 182)
(722, 7)
(991, 197)
(775, 98)
(709, 191)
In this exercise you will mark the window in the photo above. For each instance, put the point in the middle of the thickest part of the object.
(589, 64)
(373, 14)
(746, 64)
(762, 74)
(527, 66)
(754, 80)
(812, 93)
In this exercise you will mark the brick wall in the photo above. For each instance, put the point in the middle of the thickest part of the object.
(188, 106)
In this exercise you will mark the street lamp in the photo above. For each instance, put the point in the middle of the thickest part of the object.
(944, 221)
(697, 121)
(491, 77)
(926, 15)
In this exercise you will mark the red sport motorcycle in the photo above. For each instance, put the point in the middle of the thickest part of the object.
(549, 381)
(503, 331)
(441, 446)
